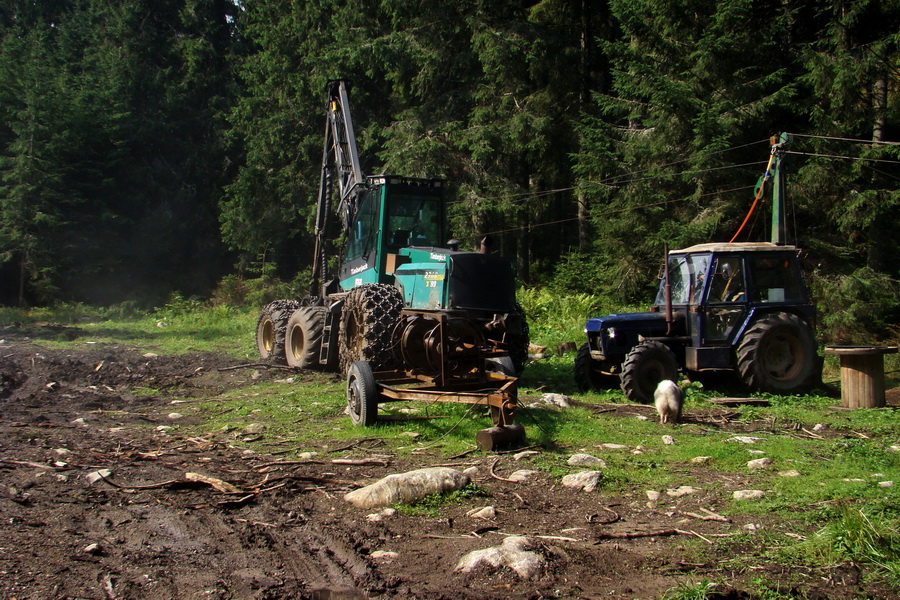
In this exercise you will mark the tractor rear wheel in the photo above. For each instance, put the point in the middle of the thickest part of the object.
(270, 330)
(647, 364)
(303, 337)
(777, 354)
(587, 377)
(368, 317)
(362, 394)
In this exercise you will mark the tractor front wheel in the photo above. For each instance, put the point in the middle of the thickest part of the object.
(368, 317)
(777, 354)
(587, 375)
(647, 364)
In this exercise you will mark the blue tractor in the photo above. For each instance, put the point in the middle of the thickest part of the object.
(733, 311)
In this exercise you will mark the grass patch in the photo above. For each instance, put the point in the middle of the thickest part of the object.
(433, 505)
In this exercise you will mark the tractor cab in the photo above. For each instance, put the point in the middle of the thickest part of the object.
(716, 289)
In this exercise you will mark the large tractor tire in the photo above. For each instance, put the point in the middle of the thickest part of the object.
(303, 337)
(647, 364)
(514, 338)
(777, 354)
(367, 320)
(587, 377)
(270, 330)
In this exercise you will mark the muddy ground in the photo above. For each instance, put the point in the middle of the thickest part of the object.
(95, 502)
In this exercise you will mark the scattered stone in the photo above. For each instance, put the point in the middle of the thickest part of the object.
(62, 451)
(759, 463)
(682, 490)
(818, 427)
(307, 455)
(521, 475)
(94, 549)
(254, 428)
(853, 480)
(652, 498)
(556, 400)
(255, 374)
(174, 416)
(384, 555)
(885, 484)
(642, 418)
(486, 513)
(524, 454)
(586, 460)
(668, 440)
(752, 526)
(790, 473)
(163, 428)
(877, 475)
(745, 439)
(514, 553)
(471, 472)
(701, 460)
(411, 434)
(748, 494)
(150, 355)
(754, 451)
(80, 422)
(286, 380)
(614, 446)
(585, 480)
(95, 476)
(408, 487)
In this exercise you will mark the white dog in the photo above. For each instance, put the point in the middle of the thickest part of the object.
(668, 398)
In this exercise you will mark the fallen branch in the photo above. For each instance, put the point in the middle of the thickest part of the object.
(359, 461)
(256, 366)
(495, 476)
(590, 518)
(709, 516)
(631, 535)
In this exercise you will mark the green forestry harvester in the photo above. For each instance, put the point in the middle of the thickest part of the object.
(403, 317)
(723, 311)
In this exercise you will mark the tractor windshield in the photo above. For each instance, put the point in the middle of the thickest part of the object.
(687, 278)
(414, 220)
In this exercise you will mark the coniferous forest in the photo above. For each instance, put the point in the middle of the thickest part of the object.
(148, 147)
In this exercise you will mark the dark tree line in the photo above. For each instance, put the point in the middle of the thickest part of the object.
(155, 146)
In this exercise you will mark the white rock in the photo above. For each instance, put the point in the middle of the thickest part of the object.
(753, 451)
(62, 451)
(885, 484)
(752, 526)
(748, 494)
(701, 460)
(745, 439)
(894, 449)
(254, 428)
(556, 400)
(642, 418)
(487, 512)
(789, 473)
(653, 495)
(79, 422)
(163, 428)
(682, 490)
(471, 472)
(585, 480)
(307, 455)
(521, 475)
(174, 416)
(613, 446)
(586, 460)
(408, 487)
(759, 463)
(384, 555)
(514, 553)
(818, 427)
(150, 355)
(95, 476)
(668, 440)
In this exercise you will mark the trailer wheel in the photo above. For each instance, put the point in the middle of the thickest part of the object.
(647, 364)
(587, 377)
(362, 394)
(270, 330)
(502, 365)
(368, 317)
(777, 354)
(303, 337)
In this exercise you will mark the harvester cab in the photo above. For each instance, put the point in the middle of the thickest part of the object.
(403, 317)
(724, 311)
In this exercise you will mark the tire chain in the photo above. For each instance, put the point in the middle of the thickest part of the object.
(379, 306)
(279, 311)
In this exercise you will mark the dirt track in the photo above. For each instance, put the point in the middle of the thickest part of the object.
(95, 502)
